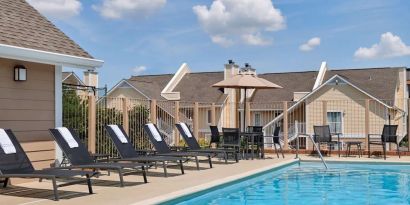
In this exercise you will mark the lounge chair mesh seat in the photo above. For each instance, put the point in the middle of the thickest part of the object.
(162, 148)
(18, 165)
(194, 146)
(81, 159)
(127, 151)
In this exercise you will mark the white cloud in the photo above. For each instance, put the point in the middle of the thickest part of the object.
(232, 21)
(59, 9)
(139, 69)
(118, 9)
(310, 44)
(388, 47)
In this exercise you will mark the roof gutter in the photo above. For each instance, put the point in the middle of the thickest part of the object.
(38, 56)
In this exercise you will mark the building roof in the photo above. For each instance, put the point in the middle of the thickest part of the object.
(23, 26)
(378, 82)
(150, 85)
(197, 87)
(291, 82)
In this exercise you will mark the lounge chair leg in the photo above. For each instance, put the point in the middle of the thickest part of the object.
(384, 150)
(56, 197)
(6, 182)
(182, 166)
(210, 161)
(90, 188)
(144, 174)
(276, 150)
(165, 168)
(281, 150)
(121, 178)
(197, 162)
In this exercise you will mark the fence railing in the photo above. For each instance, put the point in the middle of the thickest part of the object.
(354, 119)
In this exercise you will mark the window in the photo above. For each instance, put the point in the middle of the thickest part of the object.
(258, 121)
(209, 116)
(335, 121)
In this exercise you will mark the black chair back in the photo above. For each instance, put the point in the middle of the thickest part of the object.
(77, 155)
(322, 133)
(215, 135)
(255, 129)
(231, 137)
(126, 150)
(189, 138)
(160, 146)
(276, 132)
(14, 163)
(389, 133)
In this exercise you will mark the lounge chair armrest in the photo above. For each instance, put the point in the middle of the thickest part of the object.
(44, 176)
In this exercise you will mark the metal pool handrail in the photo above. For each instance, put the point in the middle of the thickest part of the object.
(314, 144)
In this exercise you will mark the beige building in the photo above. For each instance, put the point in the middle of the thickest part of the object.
(338, 97)
(31, 103)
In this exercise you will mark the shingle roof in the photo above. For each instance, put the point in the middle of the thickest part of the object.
(23, 26)
(197, 87)
(151, 85)
(291, 82)
(378, 82)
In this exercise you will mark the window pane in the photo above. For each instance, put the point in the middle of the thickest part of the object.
(334, 120)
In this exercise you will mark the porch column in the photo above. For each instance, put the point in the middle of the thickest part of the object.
(213, 115)
(176, 117)
(153, 111)
(125, 118)
(366, 123)
(285, 126)
(196, 120)
(92, 124)
(58, 107)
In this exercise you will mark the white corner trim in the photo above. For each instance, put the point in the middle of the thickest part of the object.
(38, 56)
(320, 75)
(58, 107)
(167, 92)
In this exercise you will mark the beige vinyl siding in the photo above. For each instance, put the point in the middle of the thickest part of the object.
(28, 109)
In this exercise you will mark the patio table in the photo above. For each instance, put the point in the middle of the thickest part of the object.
(251, 136)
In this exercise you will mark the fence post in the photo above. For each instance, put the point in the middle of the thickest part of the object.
(366, 123)
(285, 125)
(408, 125)
(92, 124)
(196, 119)
(125, 117)
(213, 115)
(324, 112)
(153, 111)
(176, 117)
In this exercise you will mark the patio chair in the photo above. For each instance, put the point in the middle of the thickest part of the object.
(162, 148)
(14, 163)
(322, 135)
(215, 136)
(231, 139)
(275, 140)
(127, 151)
(194, 146)
(388, 136)
(77, 154)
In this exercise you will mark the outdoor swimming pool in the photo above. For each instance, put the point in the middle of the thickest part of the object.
(309, 183)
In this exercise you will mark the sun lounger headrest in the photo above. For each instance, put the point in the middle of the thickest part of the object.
(119, 133)
(186, 129)
(6, 143)
(68, 137)
(154, 132)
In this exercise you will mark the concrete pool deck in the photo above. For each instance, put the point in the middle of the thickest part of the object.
(159, 189)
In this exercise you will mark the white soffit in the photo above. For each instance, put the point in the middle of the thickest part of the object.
(38, 56)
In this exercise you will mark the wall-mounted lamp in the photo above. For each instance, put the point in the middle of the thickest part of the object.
(20, 73)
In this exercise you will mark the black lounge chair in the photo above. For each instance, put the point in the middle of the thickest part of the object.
(232, 139)
(388, 136)
(194, 146)
(81, 159)
(18, 165)
(127, 151)
(322, 135)
(162, 148)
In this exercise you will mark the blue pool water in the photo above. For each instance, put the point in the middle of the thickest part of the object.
(309, 183)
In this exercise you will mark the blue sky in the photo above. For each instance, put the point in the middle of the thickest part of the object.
(155, 39)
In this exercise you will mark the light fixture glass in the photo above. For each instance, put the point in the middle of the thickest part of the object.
(20, 73)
